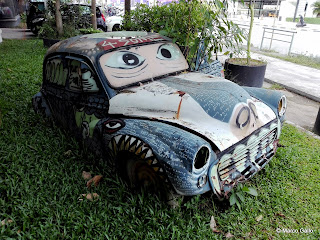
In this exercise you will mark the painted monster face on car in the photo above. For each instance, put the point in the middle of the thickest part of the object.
(188, 131)
(136, 64)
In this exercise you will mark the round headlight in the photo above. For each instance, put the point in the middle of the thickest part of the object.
(282, 106)
(202, 157)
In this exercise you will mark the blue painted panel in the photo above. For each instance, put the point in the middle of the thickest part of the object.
(174, 148)
(216, 98)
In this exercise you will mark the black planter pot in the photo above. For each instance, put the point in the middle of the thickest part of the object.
(250, 76)
(47, 42)
(316, 128)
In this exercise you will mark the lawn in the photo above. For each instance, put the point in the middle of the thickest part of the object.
(313, 62)
(41, 167)
(306, 20)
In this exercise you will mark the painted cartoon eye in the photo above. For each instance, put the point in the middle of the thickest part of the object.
(125, 60)
(168, 52)
(113, 125)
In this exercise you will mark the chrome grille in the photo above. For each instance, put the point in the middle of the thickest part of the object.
(247, 158)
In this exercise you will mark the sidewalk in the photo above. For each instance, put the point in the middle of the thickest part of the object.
(16, 33)
(299, 79)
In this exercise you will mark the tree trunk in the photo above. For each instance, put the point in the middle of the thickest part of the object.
(127, 7)
(93, 14)
(58, 19)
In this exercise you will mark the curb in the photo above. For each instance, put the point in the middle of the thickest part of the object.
(291, 89)
(303, 130)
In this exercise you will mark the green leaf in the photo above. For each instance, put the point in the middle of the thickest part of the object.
(252, 191)
(233, 199)
(240, 196)
(238, 205)
(163, 32)
(245, 189)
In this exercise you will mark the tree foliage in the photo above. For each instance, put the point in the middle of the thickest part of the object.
(316, 8)
(73, 18)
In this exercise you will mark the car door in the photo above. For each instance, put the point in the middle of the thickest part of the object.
(89, 102)
(55, 75)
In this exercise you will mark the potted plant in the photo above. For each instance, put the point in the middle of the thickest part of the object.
(246, 71)
(53, 29)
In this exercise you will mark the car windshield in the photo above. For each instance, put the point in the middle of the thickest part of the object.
(138, 63)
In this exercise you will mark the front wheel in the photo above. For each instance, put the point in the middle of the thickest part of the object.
(139, 173)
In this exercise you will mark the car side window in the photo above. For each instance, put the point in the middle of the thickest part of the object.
(55, 72)
(89, 83)
(74, 68)
(81, 77)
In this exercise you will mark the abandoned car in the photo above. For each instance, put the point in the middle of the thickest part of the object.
(130, 98)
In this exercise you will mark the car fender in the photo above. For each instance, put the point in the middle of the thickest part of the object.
(270, 97)
(173, 148)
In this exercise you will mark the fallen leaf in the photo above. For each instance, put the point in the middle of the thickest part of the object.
(229, 235)
(280, 214)
(86, 175)
(5, 222)
(213, 225)
(89, 196)
(258, 219)
(68, 153)
(96, 179)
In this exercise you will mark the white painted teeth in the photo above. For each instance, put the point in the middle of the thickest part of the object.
(132, 140)
(149, 153)
(117, 138)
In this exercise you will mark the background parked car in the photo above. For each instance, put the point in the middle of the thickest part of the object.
(114, 23)
(78, 14)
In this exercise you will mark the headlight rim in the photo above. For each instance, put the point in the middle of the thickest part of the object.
(282, 106)
(206, 162)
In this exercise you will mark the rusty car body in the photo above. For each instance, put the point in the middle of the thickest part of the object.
(130, 97)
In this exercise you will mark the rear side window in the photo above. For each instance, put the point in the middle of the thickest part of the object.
(79, 75)
(56, 72)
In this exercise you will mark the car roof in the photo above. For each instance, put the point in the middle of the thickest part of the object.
(92, 45)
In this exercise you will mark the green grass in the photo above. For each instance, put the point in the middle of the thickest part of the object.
(306, 20)
(276, 87)
(40, 184)
(313, 62)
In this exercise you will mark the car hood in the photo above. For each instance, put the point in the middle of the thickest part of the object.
(216, 108)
